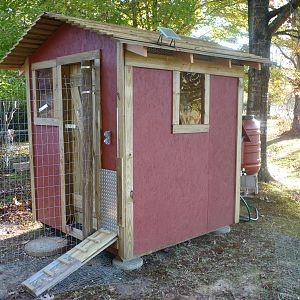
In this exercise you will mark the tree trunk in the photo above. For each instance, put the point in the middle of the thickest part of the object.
(296, 120)
(259, 44)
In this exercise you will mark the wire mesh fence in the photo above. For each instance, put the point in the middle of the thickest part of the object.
(15, 193)
(19, 222)
(44, 173)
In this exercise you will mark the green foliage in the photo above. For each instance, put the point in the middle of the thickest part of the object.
(13, 110)
(11, 88)
(280, 88)
(227, 19)
(182, 15)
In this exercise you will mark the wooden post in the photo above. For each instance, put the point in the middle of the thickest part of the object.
(29, 104)
(238, 148)
(86, 147)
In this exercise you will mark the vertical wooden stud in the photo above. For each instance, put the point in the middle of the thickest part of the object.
(125, 156)
(238, 147)
(120, 148)
(87, 147)
(176, 97)
(60, 109)
(128, 163)
(96, 140)
(206, 98)
(30, 140)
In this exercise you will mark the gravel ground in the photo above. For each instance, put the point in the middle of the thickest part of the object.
(256, 260)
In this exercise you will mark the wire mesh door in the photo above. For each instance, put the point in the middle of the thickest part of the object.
(81, 149)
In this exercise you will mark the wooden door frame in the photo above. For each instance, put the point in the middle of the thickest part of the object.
(66, 60)
(124, 154)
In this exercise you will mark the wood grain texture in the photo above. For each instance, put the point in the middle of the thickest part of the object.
(238, 148)
(139, 50)
(59, 104)
(128, 164)
(121, 193)
(174, 63)
(31, 154)
(190, 128)
(86, 148)
(176, 98)
(96, 138)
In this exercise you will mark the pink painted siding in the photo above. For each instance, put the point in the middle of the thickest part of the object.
(222, 151)
(170, 170)
(47, 181)
(176, 176)
(69, 40)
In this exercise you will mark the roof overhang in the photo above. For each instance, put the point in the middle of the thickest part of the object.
(136, 39)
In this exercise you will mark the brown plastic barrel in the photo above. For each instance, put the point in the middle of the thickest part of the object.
(251, 145)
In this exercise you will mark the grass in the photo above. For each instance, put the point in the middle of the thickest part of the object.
(283, 157)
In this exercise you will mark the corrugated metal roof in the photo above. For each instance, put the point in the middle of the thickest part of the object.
(47, 23)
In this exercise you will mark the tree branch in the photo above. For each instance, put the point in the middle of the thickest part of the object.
(286, 56)
(273, 13)
(287, 32)
(282, 14)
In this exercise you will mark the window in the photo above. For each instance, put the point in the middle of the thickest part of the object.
(190, 102)
(44, 93)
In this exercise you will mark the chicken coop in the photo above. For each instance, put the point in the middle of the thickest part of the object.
(135, 136)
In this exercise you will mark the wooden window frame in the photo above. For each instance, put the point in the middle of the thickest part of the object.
(39, 66)
(182, 128)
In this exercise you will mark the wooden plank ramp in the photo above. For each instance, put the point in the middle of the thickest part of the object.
(69, 262)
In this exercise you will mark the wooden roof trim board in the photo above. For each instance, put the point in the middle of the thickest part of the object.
(136, 39)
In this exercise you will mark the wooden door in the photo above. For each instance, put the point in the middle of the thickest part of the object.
(81, 148)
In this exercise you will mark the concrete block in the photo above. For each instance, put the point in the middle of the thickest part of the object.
(128, 265)
(222, 230)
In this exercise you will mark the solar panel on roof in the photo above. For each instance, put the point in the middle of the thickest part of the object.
(167, 33)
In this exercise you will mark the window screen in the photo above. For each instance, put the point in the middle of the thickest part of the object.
(192, 96)
(44, 93)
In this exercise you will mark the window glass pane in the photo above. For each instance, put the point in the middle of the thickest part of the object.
(191, 109)
(44, 93)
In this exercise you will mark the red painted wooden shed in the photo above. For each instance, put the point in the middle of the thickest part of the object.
(130, 135)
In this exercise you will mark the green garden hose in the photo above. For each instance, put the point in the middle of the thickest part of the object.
(249, 208)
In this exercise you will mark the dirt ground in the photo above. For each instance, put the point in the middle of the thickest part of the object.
(256, 260)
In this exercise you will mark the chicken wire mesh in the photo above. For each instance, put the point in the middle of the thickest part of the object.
(17, 223)
(25, 216)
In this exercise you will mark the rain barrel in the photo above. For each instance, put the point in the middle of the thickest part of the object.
(251, 145)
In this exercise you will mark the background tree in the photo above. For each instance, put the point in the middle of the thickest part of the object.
(264, 19)
(225, 16)
(263, 24)
(181, 15)
(288, 42)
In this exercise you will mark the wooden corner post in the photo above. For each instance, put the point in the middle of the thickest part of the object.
(238, 147)
(86, 147)
(28, 99)
(125, 155)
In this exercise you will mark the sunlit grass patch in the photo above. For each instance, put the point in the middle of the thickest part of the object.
(284, 161)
